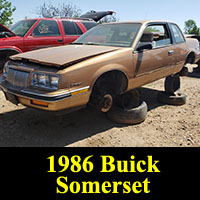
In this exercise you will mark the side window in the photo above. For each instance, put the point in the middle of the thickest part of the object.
(157, 35)
(46, 28)
(71, 28)
(177, 34)
(79, 32)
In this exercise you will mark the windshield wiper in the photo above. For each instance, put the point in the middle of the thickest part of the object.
(87, 43)
(76, 43)
(91, 43)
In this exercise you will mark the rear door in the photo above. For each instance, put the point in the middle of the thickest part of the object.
(162, 55)
(71, 31)
(45, 34)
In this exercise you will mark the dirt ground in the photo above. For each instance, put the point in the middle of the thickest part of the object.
(164, 126)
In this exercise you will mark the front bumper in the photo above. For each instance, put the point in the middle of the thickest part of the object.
(62, 100)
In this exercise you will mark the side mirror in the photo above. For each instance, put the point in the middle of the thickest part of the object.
(31, 34)
(145, 46)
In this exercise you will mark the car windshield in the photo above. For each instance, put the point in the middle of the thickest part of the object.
(22, 27)
(119, 34)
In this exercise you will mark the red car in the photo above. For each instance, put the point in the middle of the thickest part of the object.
(31, 34)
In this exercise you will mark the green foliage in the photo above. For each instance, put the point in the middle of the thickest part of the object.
(191, 27)
(66, 10)
(6, 11)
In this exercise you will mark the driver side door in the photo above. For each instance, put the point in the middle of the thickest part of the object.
(162, 54)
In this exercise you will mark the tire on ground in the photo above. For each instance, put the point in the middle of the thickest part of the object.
(176, 99)
(128, 116)
(172, 84)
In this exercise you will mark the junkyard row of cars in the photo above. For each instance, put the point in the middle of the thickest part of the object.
(103, 67)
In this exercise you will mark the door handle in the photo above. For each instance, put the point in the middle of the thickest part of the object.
(60, 40)
(170, 52)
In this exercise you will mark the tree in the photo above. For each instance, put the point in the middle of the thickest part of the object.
(6, 11)
(191, 27)
(66, 10)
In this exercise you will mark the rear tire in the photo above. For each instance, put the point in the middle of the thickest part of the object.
(172, 84)
(176, 99)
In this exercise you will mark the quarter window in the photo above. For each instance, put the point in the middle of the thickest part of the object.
(177, 34)
(46, 28)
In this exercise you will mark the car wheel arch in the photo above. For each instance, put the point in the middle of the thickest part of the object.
(5, 53)
(11, 48)
(123, 78)
(190, 58)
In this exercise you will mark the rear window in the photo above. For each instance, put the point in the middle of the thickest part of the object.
(71, 28)
(89, 25)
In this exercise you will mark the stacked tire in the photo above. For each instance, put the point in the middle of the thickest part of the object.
(128, 109)
(172, 96)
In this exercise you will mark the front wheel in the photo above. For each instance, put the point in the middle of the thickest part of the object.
(106, 104)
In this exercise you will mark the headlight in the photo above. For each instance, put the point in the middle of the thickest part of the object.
(46, 81)
(5, 69)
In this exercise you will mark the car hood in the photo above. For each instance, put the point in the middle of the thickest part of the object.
(64, 55)
(3, 28)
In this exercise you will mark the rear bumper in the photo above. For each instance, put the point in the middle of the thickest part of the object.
(51, 102)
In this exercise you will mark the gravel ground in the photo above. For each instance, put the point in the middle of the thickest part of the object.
(164, 126)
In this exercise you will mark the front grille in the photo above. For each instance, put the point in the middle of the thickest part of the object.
(17, 77)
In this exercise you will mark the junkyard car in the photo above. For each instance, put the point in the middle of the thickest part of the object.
(104, 63)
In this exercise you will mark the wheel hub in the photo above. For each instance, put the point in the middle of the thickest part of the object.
(107, 103)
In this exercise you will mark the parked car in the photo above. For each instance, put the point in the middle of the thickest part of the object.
(31, 34)
(102, 67)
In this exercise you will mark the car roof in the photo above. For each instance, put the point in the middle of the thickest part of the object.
(60, 18)
(142, 22)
